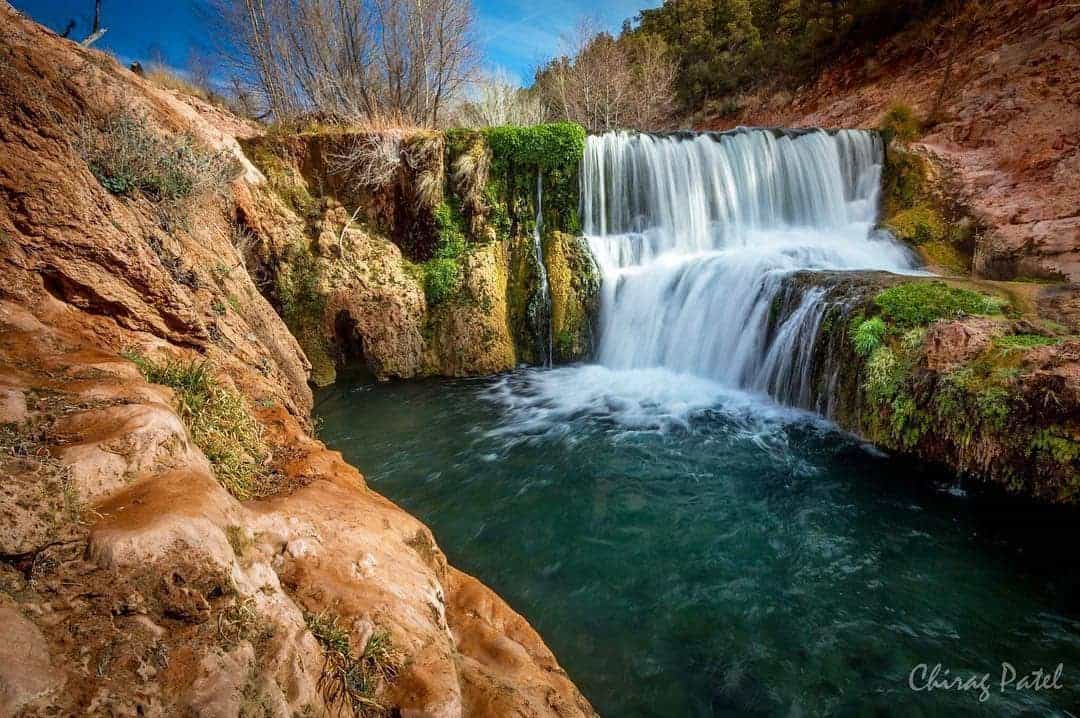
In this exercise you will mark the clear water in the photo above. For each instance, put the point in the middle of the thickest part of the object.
(687, 550)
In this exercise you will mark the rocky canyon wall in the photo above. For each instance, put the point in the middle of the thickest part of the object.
(173, 540)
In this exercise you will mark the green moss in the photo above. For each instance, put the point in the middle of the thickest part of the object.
(303, 307)
(519, 154)
(1053, 442)
(285, 181)
(946, 256)
(918, 225)
(450, 230)
(916, 303)
(1023, 342)
(441, 279)
(868, 336)
(551, 147)
(904, 180)
(218, 420)
(900, 122)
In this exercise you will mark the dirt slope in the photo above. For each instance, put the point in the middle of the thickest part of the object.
(131, 581)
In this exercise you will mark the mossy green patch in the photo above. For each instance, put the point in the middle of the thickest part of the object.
(521, 154)
(901, 122)
(946, 256)
(1023, 342)
(915, 303)
(302, 307)
(284, 179)
(917, 225)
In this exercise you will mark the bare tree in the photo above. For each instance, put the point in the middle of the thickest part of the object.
(606, 83)
(353, 60)
(496, 99)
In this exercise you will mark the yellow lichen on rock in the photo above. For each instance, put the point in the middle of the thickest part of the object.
(470, 334)
(574, 283)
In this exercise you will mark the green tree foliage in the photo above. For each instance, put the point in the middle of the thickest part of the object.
(724, 47)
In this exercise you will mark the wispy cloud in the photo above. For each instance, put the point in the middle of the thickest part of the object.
(521, 34)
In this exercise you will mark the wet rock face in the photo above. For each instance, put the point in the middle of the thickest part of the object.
(359, 288)
(575, 288)
(131, 581)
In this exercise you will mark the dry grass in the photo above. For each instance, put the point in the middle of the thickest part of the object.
(169, 79)
(127, 156)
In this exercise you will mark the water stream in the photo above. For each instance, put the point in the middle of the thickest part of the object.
(694, 235)
(541, 268)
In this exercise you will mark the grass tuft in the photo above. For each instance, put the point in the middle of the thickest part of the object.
(349, 680)
(217, 419)
(868, 336)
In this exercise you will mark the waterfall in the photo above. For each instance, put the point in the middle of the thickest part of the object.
(545, 289)
(695, 234)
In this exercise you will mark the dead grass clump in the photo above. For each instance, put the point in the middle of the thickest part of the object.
(369, 160)
(349, 680)
(128, 156)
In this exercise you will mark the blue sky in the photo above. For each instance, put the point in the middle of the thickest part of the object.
(516, 35)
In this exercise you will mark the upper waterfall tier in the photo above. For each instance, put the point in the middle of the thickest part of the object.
(694, 193)
(694, 232)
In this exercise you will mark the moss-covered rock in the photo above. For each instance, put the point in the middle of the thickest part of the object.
(923, 206)
(947, 374)
(917, 225)
(431, 269)
(470, 334)
(575, 286)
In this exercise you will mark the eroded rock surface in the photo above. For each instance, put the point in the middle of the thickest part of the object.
(131, 581)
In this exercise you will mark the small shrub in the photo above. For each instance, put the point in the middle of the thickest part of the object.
(916, 303)
(918, 225)
(441, 279)
(901, 122)
(868, 336)
(883, 374)
(217, 419)
(126, 155)
(349, 680)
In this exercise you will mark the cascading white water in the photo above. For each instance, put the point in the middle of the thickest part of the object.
(694, 234)
(545, 289)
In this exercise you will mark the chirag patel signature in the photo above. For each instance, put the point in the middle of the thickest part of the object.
(924, 677)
